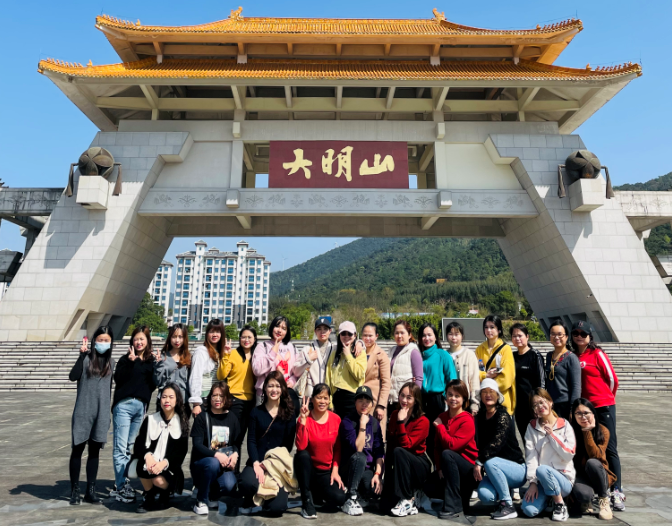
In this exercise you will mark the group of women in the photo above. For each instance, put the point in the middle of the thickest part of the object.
(422, 422)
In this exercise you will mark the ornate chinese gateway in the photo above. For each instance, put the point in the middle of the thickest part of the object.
(339, 112)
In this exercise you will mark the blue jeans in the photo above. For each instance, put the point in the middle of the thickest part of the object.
(208, 471)
(501, 475)
(550, 482)
(127, 416)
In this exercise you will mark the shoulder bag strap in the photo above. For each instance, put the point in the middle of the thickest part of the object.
(494, 355)
(207, 428)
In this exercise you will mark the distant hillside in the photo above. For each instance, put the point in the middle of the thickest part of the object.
(399, 272)
(660, 239)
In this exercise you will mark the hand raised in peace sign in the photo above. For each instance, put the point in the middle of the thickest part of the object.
(131, 353)
(304, 410)
(227, 346)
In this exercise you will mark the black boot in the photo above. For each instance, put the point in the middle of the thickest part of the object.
(163, 502)
(75, 497)
(90, 495)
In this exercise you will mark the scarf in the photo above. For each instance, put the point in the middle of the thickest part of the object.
(159, 429)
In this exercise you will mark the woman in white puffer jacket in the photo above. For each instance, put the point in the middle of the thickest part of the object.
(550, 445)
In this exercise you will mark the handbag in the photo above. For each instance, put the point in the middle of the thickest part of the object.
(132, 469)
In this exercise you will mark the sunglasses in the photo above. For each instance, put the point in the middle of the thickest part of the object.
(580, 334)
(346, 334)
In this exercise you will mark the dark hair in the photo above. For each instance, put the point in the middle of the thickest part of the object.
(416, 393)
(498, 323)
(460, 388)
(320, 388)
(277, 321)
(180, 409)
(216, 325)
(559, 323)
(541, 393)
(228, 399)
(371, 324)
(184, 354)
(591, 343)
(598, 434)
(240, 349)
(421, 331)
(99, 364)
(147, 352)
(286, 408)
(454, 325)
(339, 347)
(519, 327)
(408, 328)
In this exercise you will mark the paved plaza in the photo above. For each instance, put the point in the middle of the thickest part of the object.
(35, 437)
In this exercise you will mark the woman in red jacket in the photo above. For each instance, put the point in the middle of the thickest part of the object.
(456, 453)
(599, 384)
(407, 465)
(318, 454)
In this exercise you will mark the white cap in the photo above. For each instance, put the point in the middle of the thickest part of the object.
(489, 383)
(347, 326)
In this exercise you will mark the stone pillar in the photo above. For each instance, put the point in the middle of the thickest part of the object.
(580, 265)
(92, 267)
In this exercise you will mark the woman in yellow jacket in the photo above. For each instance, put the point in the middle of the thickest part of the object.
(495, 360)
(236, 369)
(346, 369)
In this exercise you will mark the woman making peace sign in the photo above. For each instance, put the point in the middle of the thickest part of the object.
(236, 369)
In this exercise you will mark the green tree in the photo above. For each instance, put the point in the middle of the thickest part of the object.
(231, 332)
(298, 316)
(148, 314)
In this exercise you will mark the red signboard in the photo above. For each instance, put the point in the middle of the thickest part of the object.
(338, 164)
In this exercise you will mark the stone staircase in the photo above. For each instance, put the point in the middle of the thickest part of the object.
(46, 365)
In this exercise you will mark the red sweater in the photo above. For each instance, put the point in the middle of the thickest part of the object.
(411, 436)
(599, 382)
(321, 441)
(457, 434)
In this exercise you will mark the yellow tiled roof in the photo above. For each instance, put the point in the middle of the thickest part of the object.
(239, 25)
(332, 69)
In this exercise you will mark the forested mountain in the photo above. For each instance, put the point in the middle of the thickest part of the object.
(399, 272)
(662, 183)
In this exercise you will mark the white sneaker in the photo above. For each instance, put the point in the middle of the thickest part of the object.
(618, 500)
(201, 508)
(404, 507)
(560, 512)
(352, 507)
(474, 495)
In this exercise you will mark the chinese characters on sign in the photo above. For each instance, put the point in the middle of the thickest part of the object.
(338, 164)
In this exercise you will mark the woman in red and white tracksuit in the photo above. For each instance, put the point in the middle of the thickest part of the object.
(599, 384)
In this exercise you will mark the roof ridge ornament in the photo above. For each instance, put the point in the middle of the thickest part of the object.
(438, 16)
(235, 14)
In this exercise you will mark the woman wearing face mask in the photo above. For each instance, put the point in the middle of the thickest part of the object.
(405, 362)
(407, 465)
(214, 455)
(438, 369)
(466, 364)
(599, 384)
(204, 364)
(530, 374)
(91, 416)
(455, 455)
(272, 425)
(377, 377)
(550, 445)
(278, 354)
(592, 469)
(318, 454)
(175, 362)
(160, 449)
(236, 369)
(500, 465)
(346, 369)
(134, 385)
(495, 361)
(563, 371)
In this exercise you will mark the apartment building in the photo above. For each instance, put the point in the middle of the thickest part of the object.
(231, 286)
(161, 286)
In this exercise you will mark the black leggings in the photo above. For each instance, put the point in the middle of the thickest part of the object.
(607, 417)
(433, 404)
(523, 415)
(91, 462)
(242, 410)
(457, 483)
(316, 483)
(405, 472)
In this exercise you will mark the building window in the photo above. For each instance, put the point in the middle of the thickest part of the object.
(206, 295)
(206, 302)
(206, 311)
(185, 294)
(250, 303)
(229, 294)
(228, 312)
(186, 286)
(229, 279)
(186, 278)
(184, 311)
(183, 320)
(205, 320)
(185, 303)
(229, 287)
(209, 262)
(228, 303)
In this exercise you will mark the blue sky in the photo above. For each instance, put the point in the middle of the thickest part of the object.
(42, 132)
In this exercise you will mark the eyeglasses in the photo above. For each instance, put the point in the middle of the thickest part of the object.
(580, 334)
(583, 415)
(558, 335)
(346, 334)
(540, 404)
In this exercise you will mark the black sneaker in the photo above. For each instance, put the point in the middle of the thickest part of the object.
(308, 510)
(560, 512)
(458, 518)
(504, 511)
